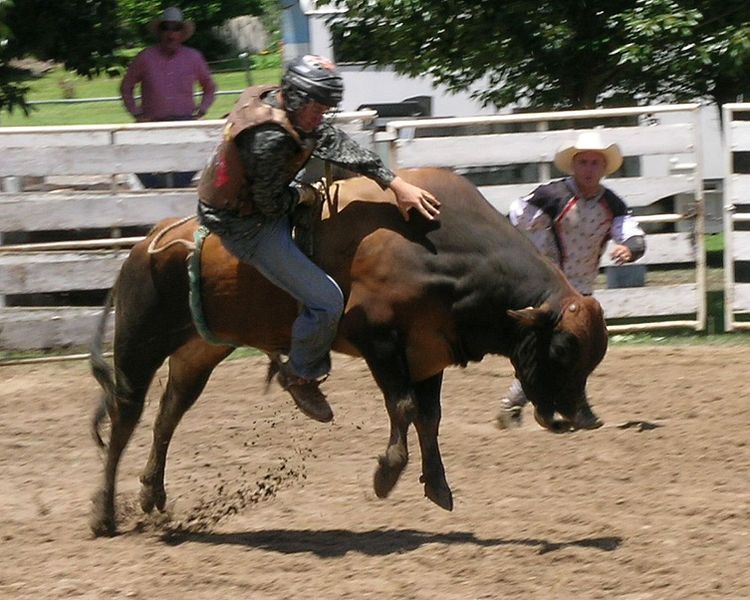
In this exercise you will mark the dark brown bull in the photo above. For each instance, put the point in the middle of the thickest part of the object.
(420, 296)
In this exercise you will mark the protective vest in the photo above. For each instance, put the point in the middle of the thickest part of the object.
(224, 183)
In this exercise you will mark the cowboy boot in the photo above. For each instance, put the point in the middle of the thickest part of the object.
(306, 394)
(510, 415)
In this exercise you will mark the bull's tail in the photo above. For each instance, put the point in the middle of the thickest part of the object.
(102, 371)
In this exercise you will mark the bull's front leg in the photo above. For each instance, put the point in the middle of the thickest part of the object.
(383, 349)
(427, 423)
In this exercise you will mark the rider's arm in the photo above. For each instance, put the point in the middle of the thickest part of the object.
(338, 148)
(335, 146)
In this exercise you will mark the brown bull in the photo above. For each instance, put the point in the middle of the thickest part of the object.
(420, 296)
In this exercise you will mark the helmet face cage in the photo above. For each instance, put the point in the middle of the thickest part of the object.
(294, 99)
(311, 78)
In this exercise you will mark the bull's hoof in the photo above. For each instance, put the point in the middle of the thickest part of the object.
(552, 424)
(102, 521)
(386, 477)
(440, 495)
(151, 497)
(586, 419)
(560, 426)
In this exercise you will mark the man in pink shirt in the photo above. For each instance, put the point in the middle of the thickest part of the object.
(167, 73)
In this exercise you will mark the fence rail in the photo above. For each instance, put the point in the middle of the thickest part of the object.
(100, 99)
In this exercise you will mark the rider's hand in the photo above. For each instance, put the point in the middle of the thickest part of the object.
(410, 196)
(309, 193)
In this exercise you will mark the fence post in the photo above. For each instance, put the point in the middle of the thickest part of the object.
(12, 185)
(700, 225)
(728, 220)
(247, 65)
(545, 171)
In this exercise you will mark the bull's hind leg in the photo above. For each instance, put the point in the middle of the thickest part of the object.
(384, 353)
(149, 326)
(189, 370)
(133, 379)
(427, 423)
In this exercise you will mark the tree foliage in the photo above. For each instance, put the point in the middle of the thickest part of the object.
(689, 49)
(562, 54)
(79, 33)
(135, 15)
(85, 35)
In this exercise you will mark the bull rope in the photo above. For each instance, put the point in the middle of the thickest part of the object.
(194, 274)
(152, 249)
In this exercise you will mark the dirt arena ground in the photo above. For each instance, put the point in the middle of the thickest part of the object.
(265, 504)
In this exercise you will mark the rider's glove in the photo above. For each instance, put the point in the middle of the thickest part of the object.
(309, 193)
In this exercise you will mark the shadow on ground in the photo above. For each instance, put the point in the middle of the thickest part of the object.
(339, 542)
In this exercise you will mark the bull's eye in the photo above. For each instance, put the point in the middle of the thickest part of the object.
(573, 307)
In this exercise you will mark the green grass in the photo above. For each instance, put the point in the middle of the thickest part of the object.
(715, 242)
(50, 87)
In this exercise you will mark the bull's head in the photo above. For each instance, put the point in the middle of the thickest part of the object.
(555, 354)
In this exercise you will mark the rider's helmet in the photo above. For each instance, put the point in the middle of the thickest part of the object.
(311, 77)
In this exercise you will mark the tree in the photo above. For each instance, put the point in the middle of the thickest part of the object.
(85, 35)
(82, 34)
(689, 50)
(563, 54)
(135, 15)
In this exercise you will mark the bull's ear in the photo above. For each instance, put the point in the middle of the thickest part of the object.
(530, 316)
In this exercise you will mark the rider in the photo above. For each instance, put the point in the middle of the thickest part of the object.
(247, 193)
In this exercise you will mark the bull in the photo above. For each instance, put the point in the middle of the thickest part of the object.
(420, 296)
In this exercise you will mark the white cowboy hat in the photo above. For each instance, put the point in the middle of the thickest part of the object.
(588, 141)
(172, 15)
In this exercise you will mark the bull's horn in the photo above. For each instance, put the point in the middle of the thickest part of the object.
(529, 317)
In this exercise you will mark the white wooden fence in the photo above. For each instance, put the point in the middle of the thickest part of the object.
(736, 212)
(90, 264)
(672, 150)
(115, 149)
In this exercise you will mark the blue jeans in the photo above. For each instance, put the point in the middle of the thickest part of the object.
(268, 246)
